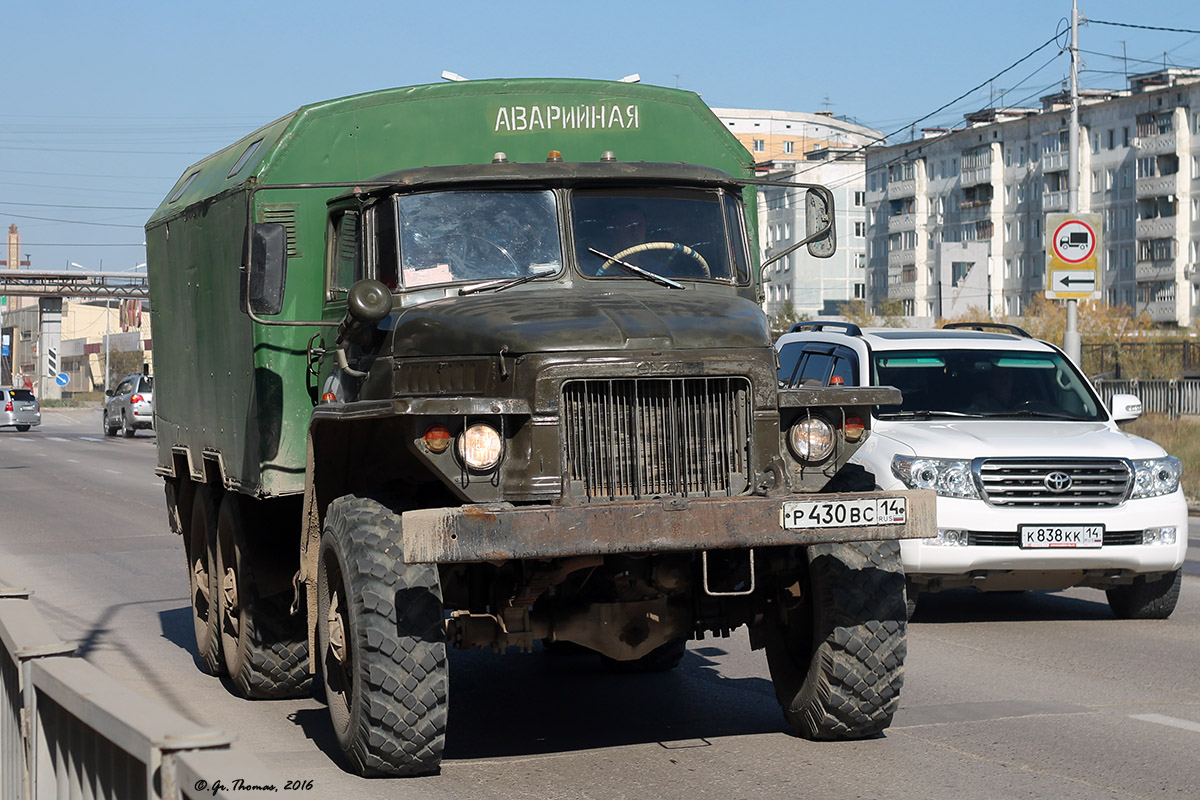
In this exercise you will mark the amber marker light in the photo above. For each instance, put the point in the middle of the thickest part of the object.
(554, 155)
(328, 397)
(437, 438)
(854, 428)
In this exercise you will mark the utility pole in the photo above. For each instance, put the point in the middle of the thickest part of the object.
(1071, 343)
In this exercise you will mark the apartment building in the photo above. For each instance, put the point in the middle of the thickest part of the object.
(955, 220)
(811, 148)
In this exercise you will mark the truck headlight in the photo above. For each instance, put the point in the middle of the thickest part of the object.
(811, 439)
(480, 447)
(949, 477)
(1155, 476)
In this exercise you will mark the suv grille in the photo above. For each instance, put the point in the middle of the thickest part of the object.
(1080, 482)
(629, 439)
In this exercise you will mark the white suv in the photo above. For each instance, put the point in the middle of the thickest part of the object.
(1037, 486)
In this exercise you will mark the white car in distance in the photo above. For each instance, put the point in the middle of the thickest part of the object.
(1038, 487)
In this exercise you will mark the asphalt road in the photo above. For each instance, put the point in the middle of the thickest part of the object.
(1032, 695)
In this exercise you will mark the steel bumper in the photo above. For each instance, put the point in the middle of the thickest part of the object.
(500, 531)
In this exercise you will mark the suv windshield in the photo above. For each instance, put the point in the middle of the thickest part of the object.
(673, 233)
(448, 237)
(984, 383)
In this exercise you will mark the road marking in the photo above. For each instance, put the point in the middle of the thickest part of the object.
(113, 471)
(1173, 722)
(72, 460)
(90, 439)
(57, 439)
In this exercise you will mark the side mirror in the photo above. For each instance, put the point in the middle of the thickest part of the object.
(108, 392)
(268, 268)
(367, 302)
(1126, 407)
(818, 222)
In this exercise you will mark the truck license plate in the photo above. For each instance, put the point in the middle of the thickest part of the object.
(1039, 536)
(844, 513)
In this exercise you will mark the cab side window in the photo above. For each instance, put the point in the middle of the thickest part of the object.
(817, 364)
(346, 261)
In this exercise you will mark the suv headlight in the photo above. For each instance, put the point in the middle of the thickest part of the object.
(1155, 476)
(949, 477)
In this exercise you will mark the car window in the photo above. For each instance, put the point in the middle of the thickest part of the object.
(124, 387)
(22, 395)
(145, 384)
(986, 383)
(817, 364)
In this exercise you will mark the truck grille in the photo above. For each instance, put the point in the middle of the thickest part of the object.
(635, 438)
(1080, 482)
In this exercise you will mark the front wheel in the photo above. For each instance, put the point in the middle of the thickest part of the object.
(836, 648)
(382, 643)
(109, 430)
(22, 428)
(1146, 599)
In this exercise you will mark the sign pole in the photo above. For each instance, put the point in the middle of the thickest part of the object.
(1071, 341)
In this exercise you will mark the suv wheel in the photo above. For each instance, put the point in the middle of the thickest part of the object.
(109, 430)
(1146, 598)
(126, 429)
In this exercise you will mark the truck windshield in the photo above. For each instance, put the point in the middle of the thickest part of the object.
(984, 383)
(674, 233)
(449, 237)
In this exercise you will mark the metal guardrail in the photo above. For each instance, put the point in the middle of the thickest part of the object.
(68, 730)
(1174, 397)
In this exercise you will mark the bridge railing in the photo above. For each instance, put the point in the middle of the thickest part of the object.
(68, 730)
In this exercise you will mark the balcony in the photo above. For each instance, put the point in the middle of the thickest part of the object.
(1055, 161)
(902, 222)
(1055, 201)
(1155, 271)
(1157, 186)
(902, 291)
(1161, 310)
(899, 189)
(1156, 228)
(1192, 273)
(1156, 145)
(972, 177)
(899, 258)
(974, 210)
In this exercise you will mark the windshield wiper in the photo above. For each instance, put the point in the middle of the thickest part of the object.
(922, 414)
(635, 269)
(500, 286)
(1025, 412)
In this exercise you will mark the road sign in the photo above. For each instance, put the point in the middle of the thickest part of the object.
(62, 379)
(1072, 248)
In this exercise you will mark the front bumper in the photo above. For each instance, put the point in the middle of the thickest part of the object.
(501, 531)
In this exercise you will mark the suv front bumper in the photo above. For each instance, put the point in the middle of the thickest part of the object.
(501, 531)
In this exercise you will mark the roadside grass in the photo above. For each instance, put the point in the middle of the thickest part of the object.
(1180, 438)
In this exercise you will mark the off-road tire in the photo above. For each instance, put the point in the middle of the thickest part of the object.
(265, 647)
(837, 657)
(661, 659)
(201, 547)
(388, 698)
(1144, 599)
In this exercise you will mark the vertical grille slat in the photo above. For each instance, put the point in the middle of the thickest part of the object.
(1093, 483)
(636, 438)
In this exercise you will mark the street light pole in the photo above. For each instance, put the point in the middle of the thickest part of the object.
(1071, 342)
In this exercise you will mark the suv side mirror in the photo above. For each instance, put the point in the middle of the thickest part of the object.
(268, 269)
(1126, 407)
(818, 221)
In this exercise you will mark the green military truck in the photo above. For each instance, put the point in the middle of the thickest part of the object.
(482, 364)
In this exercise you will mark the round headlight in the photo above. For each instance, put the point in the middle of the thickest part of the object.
(480, 447)
(812, 439)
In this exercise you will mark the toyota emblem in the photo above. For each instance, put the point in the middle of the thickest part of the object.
(1057, 481)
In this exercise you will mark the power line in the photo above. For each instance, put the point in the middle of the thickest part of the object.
(74, 221)
(90, 208)
(1141, 27)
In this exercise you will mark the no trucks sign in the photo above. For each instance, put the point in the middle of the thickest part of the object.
(1072, 244)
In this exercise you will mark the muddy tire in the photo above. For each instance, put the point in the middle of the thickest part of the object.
(202, 581)
(661, 659)
(382, 643)
(837, 657)
(1146, 599)
(265, 647)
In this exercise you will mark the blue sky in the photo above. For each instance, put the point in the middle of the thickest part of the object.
(107, 104)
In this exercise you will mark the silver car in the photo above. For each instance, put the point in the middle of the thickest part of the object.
(130, 406)
(20, 409)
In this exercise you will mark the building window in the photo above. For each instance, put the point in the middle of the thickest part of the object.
(789, 147)
(860, 229)
(760, 145)
(860, 199)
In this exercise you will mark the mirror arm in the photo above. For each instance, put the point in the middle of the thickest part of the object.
(762, 268)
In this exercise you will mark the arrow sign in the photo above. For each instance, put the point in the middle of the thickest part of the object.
(1081, 278)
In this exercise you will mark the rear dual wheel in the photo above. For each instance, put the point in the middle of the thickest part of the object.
(202, 583)
(264, 646)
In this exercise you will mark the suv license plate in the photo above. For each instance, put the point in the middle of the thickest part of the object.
(1040, 536)
(844, 513)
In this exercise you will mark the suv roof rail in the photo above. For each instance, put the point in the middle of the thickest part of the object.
(981, 326)
(848, 328)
